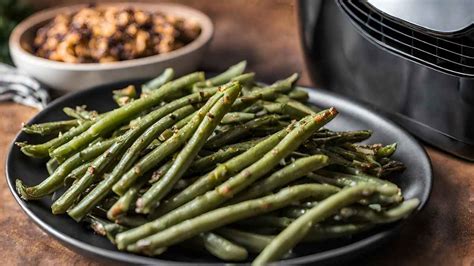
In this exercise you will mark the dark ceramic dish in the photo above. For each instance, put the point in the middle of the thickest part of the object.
(414, 182)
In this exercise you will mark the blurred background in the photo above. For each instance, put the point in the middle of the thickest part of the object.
(252, 17)
(265, 33)
(11, 13)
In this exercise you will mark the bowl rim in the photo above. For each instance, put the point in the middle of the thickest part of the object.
(207, 31)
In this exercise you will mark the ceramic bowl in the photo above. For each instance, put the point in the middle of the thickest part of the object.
(66, 77)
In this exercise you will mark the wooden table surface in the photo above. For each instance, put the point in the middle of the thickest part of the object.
(264, 33)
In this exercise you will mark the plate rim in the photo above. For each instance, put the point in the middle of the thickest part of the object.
(324, 256)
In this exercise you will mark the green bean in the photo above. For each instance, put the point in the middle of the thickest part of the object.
(297, 230)
(120, 115)
(42, 150)
(54, 181)
(206, 163)
(197, 156)
(257, 242)
(156, 83)
(158, 252)
(373, 147)
(334, 158)
(360, 177)
(125, 95)
(130, 156)
(390, 167)
(239, 131)
(180, 124)
(221, 172)
(266, 93)
(97, 168)
(285, 109)
(383, 200)
(340, 137)
(347, 170)
(80, 113)
(211, 199)
(184, 159)
(161, 171)
(224, 77)
(299, 94)
(169, 132)
(254, 108)
(237, 117)
(266, 221)
(50, 128)
(223, 248)
(282, 177)
(124, 203)
(387, 216)
(348, 155)
(155, 143)
(52, 165)
(253, 242)
(342, 180)
(324, 132)
(226, 215)
(78, 172)
(386, 151)
(170, 146)
(105, 228)
(100, 163)
(267, 130)
(183, 122)
(245, 79)
(339, 181)
(367, 161)
(295, 105)
(131, 221)
(121, 130)
(320, 232)
(71, 112)
(358, 149)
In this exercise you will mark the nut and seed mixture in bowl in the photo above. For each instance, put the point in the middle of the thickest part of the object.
(109, 34)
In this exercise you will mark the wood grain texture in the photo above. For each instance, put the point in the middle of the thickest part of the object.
(264, 33)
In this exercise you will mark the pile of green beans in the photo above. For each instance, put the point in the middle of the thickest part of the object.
(224, 165)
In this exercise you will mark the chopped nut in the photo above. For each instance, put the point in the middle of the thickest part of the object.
(108, 34)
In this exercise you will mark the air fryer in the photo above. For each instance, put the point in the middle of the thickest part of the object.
(412, 60)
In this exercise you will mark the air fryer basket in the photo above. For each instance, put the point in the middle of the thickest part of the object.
(422, 80)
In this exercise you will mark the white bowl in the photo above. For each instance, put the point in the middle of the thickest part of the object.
(66, 77)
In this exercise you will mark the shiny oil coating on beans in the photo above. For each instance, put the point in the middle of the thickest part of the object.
(207, 157)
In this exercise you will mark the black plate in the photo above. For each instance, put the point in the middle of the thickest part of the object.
(414, 182)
